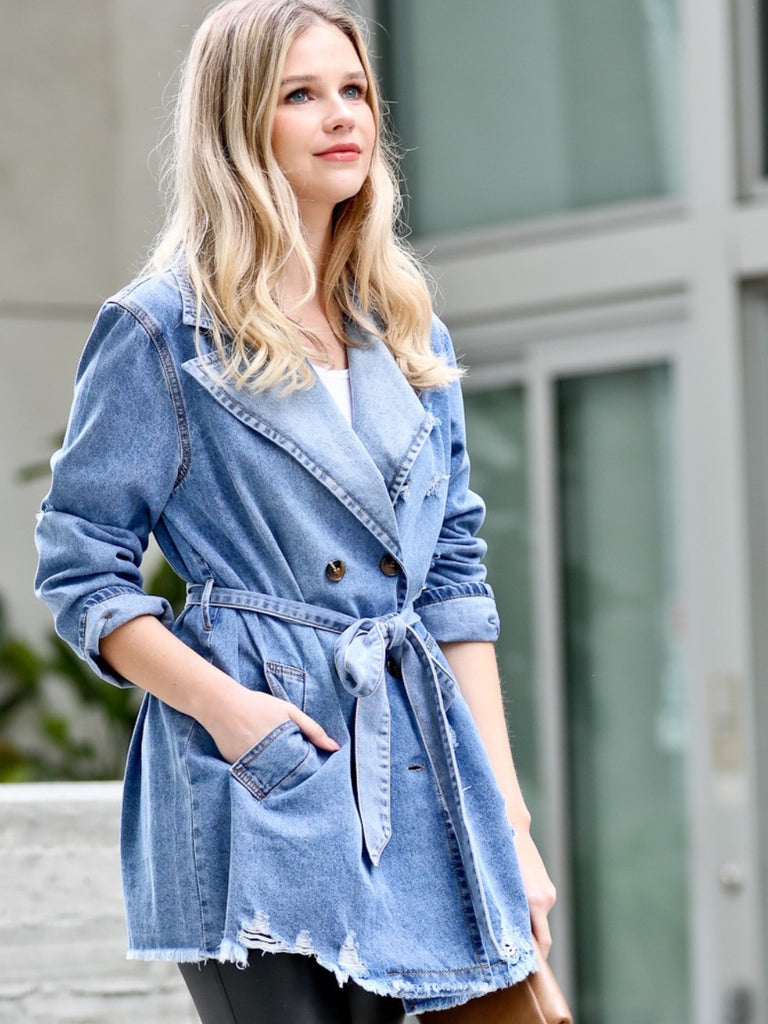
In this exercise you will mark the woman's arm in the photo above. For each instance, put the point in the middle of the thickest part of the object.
(474, 665)
(149, 655)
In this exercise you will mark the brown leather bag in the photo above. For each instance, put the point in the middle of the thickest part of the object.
(535, 1000)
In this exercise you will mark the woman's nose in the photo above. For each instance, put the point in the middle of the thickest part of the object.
(341, 118)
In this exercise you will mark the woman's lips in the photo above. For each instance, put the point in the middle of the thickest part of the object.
(343, 153)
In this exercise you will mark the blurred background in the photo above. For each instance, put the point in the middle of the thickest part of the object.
(588, 180)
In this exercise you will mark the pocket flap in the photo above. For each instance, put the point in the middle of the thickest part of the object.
(281, 760)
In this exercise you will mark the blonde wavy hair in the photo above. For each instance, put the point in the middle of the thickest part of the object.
(234, 219)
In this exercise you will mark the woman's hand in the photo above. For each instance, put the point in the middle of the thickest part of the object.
(538, 888)
(244, 718)
(148, 654)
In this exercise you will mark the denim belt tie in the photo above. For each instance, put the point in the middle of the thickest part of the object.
(360, 654)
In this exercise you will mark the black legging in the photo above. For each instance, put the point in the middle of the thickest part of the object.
(282, 988)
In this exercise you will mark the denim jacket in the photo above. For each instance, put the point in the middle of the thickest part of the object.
(324, 563)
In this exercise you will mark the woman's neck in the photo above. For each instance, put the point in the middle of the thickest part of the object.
(323, 345)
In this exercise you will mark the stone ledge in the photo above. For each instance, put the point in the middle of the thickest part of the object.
(62, 936)
(32, 793)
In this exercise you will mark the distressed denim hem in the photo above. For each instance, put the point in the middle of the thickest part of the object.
(420, 991)
(228, 952)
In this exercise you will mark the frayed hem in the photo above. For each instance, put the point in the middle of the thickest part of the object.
(259, 936)
(227, 953)
(420, 994)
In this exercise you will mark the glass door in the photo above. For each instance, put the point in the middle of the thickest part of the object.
(624, 694)
(499, 451)
(610, 460)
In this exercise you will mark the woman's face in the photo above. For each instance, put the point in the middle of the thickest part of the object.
(323, 133)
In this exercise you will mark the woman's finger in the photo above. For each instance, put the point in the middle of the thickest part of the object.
(541, 931)
(313, 731)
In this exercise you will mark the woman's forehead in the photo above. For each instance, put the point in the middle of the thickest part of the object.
(319, 47)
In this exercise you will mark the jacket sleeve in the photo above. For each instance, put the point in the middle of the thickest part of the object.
(120, 461)
(456, 602)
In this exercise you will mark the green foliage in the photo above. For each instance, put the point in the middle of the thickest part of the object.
(58, 720)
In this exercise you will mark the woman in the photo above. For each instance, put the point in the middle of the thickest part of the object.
(312, 770)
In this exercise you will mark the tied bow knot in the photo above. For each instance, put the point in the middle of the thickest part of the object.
(362, 649)
(360, 656)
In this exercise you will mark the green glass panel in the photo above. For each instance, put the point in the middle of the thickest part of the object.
(516, 109)
(496, 433)
(625, 711)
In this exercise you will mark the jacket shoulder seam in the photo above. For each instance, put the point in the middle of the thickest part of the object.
(155, 334)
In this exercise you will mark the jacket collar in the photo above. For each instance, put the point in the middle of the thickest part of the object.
(365, 466)
(189, 315)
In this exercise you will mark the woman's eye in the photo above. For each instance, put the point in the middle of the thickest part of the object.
(297, 96)
(352, 92)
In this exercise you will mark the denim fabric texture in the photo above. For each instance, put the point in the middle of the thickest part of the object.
(325, 563)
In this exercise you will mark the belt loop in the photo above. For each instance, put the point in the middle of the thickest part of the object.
(205, 605)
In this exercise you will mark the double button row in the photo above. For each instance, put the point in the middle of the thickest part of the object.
(336, 570)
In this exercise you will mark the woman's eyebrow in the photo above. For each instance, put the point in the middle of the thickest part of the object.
(292, 79)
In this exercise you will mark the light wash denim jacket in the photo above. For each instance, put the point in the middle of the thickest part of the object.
(323, 563)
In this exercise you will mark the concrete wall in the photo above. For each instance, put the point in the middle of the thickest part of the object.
(84, 99)
(62, 937)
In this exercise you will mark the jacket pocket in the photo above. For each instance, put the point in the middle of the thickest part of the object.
(287, 682)
(281, 760)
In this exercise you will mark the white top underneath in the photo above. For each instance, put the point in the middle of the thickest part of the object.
(337, 382)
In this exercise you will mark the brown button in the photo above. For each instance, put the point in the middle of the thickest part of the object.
(389, 566)
(335, 570)
(393, 668)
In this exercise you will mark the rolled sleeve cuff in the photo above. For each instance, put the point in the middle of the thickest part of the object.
(107, 611)
(458, 612)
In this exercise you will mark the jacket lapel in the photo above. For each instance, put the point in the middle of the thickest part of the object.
(387, 416)
(364, 467)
